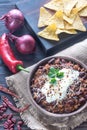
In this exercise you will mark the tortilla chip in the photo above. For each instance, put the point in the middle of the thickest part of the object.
(70, 19)
(43, 17)
(57, 18)
(74, 11)
(78, 25)
(83, 12)
(81, 4)
(68, 26)
(66, 19)
(68, 6)
(49, 33)
(54, 5)
(71, 31)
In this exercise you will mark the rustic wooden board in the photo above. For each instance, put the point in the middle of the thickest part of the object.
(30, 10)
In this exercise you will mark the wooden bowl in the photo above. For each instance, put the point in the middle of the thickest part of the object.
(48, 117)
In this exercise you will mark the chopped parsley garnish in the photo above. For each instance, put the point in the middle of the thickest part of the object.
(55, 73)
(60, 74)
(53, 81)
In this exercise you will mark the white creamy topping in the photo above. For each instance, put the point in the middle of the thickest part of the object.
(59, 89)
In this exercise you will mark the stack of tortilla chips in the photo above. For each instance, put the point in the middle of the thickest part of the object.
(61, 16)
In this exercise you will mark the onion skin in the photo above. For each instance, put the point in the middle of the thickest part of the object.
(24, 44)
(14, 19)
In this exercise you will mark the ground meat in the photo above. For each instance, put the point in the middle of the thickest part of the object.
(76, 93)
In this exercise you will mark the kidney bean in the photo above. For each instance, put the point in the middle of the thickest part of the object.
(20, 122)
(10, 116)
(86, 96)
(77, 84)
(9, 121)
(1, 106)
(81, 74)
(19, 127)
(85, 77)
(11, 128)
(1, 117)
(11, 125)
(6, 125)
(5, 115)
(4, 109)
(4, 104)
(13, 120)
(1, 112)
(78, 93)
(82, 100)
(71, 102)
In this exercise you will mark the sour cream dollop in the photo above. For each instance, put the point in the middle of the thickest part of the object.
(58, 91)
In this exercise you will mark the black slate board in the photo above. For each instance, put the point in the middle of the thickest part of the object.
(30, 10)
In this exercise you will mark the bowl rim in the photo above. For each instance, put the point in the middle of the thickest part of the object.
(33, 102)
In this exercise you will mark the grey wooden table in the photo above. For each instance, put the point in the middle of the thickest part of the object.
(28, 60)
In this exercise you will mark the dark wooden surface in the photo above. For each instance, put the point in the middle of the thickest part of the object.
(28, 60)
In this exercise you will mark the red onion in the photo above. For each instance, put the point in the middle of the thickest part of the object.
(14, 19)
(24, 44)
